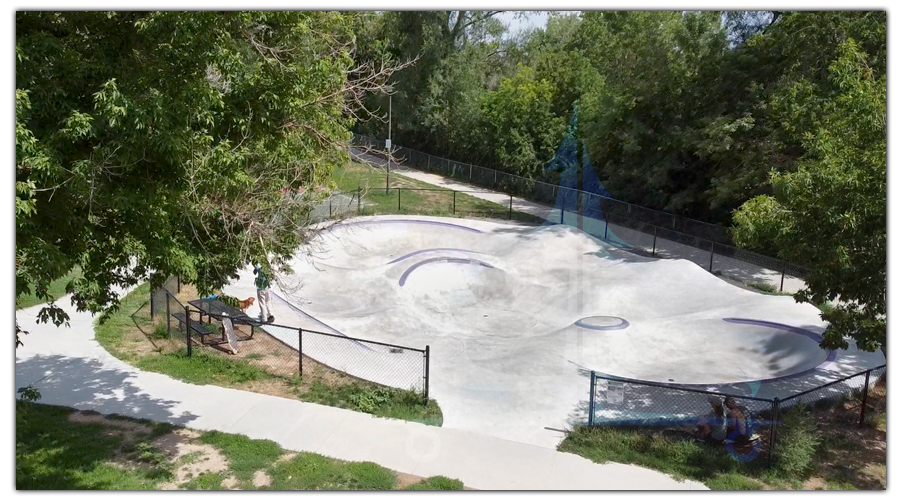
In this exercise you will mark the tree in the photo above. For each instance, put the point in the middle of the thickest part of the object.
(830, 215)
(521, 129)
(160, 143)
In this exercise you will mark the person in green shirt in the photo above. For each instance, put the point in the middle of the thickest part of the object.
(263, 295)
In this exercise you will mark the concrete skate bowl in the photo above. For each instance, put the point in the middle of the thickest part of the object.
(517, 317)
(715, 353)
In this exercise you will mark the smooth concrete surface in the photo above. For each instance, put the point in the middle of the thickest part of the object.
(70, 368)
(500, 304)
(732, 268)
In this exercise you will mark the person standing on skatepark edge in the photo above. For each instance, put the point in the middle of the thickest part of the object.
(262, 293)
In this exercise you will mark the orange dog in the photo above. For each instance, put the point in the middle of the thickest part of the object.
(246, 303)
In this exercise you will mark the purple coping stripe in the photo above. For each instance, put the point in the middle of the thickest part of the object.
(832, 355)
(398, 259)
(624, 324)
(441, 259)
(409, 221)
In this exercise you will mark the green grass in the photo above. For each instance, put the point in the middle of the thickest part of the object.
(710, 465)
(245, 456)
(309, 471)
(205, 367)
(376, 400)
(56, 290)
(415, 197)
(53, 452)
(766, 288)
(436, 483)
(109, 330)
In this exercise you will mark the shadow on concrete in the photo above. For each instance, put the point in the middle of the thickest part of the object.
(86, 384)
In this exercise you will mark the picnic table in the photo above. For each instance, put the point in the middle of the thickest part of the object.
(215, 308)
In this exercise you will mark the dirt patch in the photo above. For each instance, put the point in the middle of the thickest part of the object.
(404, 479)
(261, 479)
(127, 430)
(193, 458)
(851, 453)
(230, 483)
(814, 483)
(287, 457)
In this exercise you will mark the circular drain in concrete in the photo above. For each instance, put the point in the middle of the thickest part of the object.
(602, 323)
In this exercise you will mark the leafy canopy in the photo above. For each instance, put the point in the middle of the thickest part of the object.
(160, 142)
(830, 215)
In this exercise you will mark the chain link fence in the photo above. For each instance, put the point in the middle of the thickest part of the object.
(289, 352)
(639, 229)
(682, 412)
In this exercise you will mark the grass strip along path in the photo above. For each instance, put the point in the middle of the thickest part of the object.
(58, 448)
(131, 335)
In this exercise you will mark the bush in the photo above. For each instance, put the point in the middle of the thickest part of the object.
(160, 332)
(797, 442)
(437, 483)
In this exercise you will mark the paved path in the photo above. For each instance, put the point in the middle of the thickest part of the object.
(70, 368)
(732, 268)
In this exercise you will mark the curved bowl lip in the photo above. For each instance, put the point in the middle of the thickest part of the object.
(832, 355)
(623, 323)
(452, 260)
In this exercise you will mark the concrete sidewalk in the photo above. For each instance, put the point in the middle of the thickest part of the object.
(70, 368)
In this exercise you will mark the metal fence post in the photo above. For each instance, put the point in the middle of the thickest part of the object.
(606, 229)
(591, 403)
(427, 362)
(470, 171)
(454, 202)
(300, 349)
(562, 215)
(653, 254)
(329, 206)
(429, 163)
(168, 317)
(358, 199)
(187, 329)
(398, 199)
(178, 283)
(152, 303)
(510, 207)
(712, 251)
(862, 413)
(773, 432)
(783, 270)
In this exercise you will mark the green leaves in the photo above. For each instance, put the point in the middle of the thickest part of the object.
(160, 141)
(830, 215)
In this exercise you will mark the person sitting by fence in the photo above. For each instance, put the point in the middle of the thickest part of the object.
(738, 431)
(712, 425)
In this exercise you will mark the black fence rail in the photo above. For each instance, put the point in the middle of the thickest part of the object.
(291, 352)
(659, 234)
(164, 305)
(543, 190)
(684, 411)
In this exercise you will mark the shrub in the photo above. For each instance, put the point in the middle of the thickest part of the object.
(160, 332)
(798, 440)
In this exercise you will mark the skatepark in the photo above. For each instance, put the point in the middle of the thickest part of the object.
(517, 316)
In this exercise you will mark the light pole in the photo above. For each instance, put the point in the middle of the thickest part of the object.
(387, 178)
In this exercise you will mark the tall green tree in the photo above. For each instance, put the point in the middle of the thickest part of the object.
(522, 131)
(830, 214)
(162, 142)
